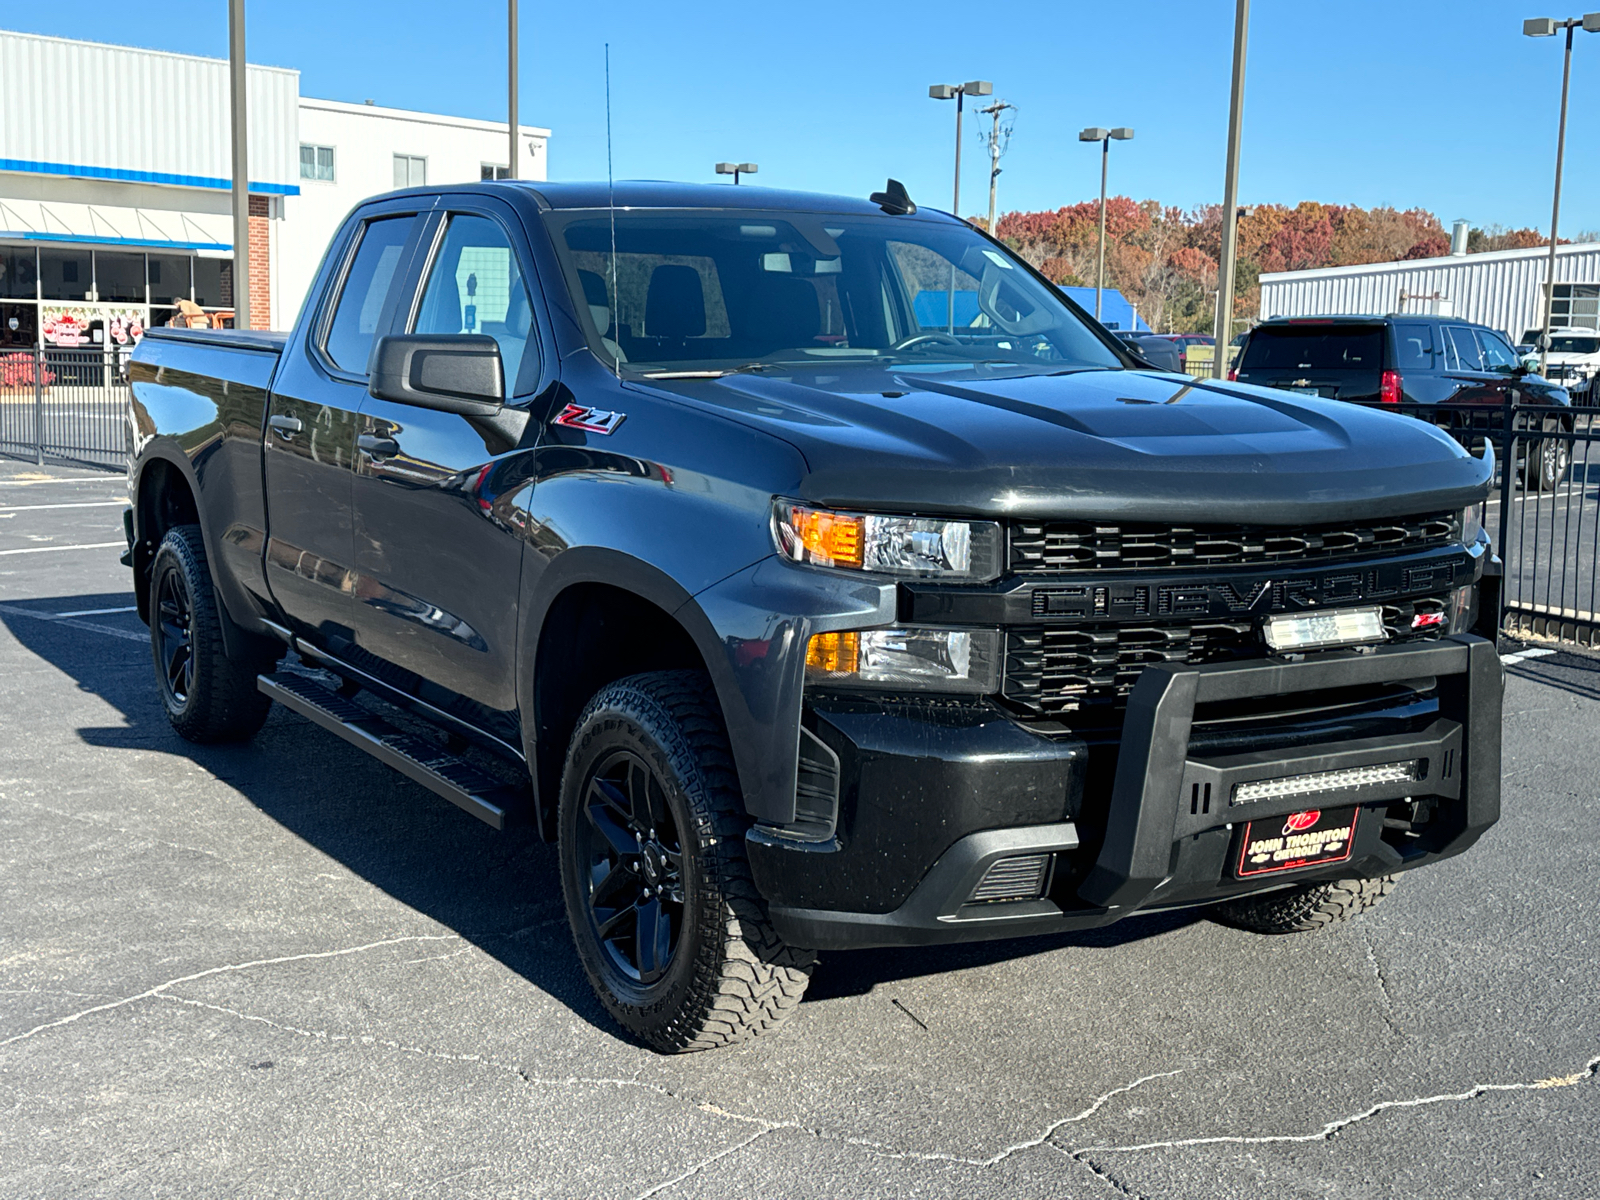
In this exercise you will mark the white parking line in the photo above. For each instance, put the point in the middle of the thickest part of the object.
(1536, 652)
(9, 610)
(97, 612)
(82, 546)
(77, 504)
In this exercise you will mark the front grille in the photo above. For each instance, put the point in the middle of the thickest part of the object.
(1044, 546)
(1061, 671)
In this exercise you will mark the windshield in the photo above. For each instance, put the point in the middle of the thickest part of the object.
(1574, 345)
(714, 291)
(1314, 348)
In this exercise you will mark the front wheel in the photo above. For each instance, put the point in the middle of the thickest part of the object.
(1306, 908)
(668, 924)
(1550, 460)
(208, 696)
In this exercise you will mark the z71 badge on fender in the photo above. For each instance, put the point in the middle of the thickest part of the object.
(590, 420)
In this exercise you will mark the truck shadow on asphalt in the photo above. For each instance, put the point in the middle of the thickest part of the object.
(499, 891)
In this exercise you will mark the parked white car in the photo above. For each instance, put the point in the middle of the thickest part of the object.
(1573, 360)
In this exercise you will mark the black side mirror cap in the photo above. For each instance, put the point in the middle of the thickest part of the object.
(455, 373)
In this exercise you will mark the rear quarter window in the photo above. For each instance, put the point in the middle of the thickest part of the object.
(1413, 346)
(1314, 348)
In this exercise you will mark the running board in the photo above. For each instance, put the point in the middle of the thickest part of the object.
(457, 780)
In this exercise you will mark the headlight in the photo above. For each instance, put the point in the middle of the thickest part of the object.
(930, 547)
(1471, 523)
(938, 660)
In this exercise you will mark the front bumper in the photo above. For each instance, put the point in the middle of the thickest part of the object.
(911, 845)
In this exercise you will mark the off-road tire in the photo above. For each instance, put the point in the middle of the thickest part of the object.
(730, 976)
(218, 700)
(1304, 909)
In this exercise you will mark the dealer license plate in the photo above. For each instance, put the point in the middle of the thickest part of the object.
(1304, 391)
(1311, 838)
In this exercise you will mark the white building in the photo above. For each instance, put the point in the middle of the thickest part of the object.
(106, 224)
(1503, 289)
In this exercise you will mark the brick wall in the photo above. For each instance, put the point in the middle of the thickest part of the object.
(260, 263)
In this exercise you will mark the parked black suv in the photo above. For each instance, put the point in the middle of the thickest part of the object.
(1402, 359)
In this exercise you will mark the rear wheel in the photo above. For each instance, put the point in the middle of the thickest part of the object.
(668, 924)
(208, 696)
(1306, 908)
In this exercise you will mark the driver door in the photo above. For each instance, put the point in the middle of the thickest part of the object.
(437, 554)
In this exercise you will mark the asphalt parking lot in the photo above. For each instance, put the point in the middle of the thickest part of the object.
(283, 970)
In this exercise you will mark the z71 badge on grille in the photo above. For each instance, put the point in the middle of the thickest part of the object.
(590, 420)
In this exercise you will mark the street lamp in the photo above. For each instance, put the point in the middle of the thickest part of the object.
(1104, 136)
(957, 92)
(736, 170)
(1546, 27)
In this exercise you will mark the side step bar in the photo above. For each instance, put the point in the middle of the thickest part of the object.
(458, 781)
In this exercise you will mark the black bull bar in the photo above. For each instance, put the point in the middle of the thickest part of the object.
(1155, 797)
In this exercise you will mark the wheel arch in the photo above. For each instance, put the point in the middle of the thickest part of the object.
(594, 616)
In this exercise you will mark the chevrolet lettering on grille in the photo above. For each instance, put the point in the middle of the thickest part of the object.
(1132, 599)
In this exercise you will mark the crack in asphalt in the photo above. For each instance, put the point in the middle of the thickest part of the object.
(1332, 1129)
(1386, 1009)
(765, 1126)
(161, 988)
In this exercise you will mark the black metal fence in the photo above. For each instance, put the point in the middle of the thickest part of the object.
(65, 405)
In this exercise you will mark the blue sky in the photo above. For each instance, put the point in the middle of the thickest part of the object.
(1442, 105)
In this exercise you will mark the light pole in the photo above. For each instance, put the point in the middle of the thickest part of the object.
(957, 92)
(237, 75)
(736, 170)
(1230, 196)
(511, 73)
(1546, 27)
(1104, 136)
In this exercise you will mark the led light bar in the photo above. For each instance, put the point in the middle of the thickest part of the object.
(1316, 631)
(1326, 781)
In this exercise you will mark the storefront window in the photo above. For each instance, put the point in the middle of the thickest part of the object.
(169, 278)
(65, 274)
(213, 282)
(119, 276)
(19, 325)
(19, 272)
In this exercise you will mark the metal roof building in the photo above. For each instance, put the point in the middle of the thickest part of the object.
(115, 184)
(1503, 289)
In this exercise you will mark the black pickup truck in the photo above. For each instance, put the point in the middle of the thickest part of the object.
(818, 577)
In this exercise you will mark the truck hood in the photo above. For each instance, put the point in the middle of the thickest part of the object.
(1122, 444)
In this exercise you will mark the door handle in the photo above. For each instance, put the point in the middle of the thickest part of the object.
(376, 446)
(285, 426)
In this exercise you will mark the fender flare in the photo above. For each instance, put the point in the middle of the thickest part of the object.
(614, 568)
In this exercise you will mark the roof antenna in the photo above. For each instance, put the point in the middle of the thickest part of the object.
(611, 204)
(894, 199)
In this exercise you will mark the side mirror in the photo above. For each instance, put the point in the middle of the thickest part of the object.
(455, 373)
(1529, 364)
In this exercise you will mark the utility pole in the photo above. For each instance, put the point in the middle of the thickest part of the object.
(240, 126)
(1230, 196)
(511, 71)
(997, 147)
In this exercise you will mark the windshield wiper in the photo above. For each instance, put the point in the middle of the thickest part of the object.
(710, 373)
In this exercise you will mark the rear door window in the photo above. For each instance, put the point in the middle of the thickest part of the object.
(1497, 352)
(1413, 346)
(1314, 348)
(354, 324)
(1463, 351)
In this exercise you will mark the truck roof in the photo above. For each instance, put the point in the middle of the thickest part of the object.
(655, 193)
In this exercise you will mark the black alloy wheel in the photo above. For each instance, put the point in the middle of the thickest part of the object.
(209, 696)
(629, 845)
(668, 924)
(173, 637)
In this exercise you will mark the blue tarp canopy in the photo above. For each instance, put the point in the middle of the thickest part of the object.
(933, 308)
